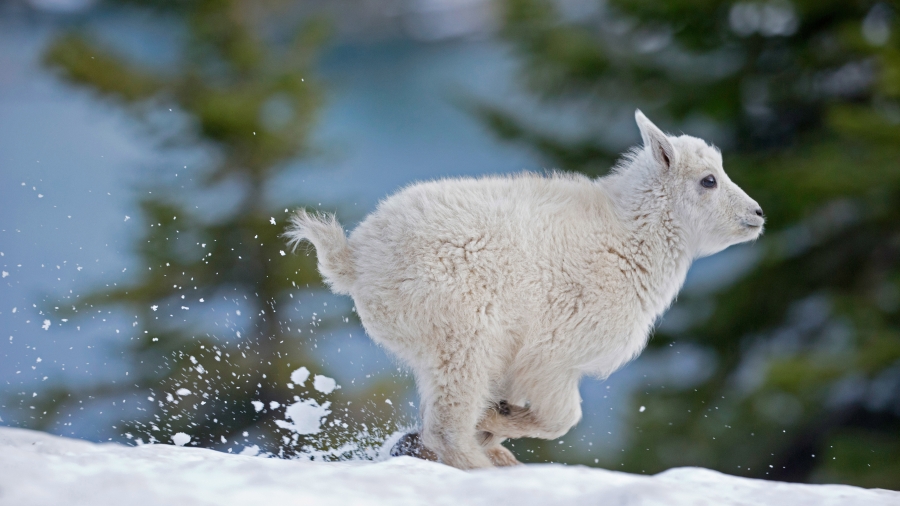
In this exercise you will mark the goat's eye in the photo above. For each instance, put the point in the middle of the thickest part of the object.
(708, 182)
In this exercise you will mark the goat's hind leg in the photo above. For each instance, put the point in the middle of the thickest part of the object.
(453, 393)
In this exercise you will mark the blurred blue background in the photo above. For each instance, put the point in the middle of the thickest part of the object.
(74, 166)
(118, 116)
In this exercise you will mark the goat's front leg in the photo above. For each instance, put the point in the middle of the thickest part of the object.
(548, 416)
(491, 444)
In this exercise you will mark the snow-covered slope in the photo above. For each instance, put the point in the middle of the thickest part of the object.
(40, 469)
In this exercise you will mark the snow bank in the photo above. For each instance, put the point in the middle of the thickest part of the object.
(41, 469)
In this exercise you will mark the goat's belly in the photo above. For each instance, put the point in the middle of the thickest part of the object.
(613, 350)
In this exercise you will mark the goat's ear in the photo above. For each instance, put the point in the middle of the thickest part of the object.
(656, 141)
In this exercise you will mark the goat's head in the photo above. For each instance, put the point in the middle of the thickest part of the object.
(715, 212)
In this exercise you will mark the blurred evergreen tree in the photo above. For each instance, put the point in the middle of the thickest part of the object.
(803, 98)
(244, 80)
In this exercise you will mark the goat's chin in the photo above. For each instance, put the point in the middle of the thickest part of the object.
(742, 235)
(752, 232)
(711, 249)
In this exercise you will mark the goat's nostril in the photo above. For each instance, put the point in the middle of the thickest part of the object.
(759, 212)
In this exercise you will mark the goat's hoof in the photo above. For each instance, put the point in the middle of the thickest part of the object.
(411, 446)
(501, 456)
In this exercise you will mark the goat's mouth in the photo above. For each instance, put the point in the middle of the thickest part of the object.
(753, 229)
(753, 225)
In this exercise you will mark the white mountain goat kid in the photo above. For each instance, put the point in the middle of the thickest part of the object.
(500, 293)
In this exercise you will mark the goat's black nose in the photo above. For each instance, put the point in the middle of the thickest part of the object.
(759, 212)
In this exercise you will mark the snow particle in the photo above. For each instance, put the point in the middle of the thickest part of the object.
(257, 405)
(154, 307)
(272, 220)
(388, 401)
(306, 416)
(5, 274)
(324, 384)
(250, 451)
(642, 409)
(46, 325)
(300, 376)
(183, 392)
(181, 439)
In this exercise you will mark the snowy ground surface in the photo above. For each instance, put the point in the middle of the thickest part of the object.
(41, 469)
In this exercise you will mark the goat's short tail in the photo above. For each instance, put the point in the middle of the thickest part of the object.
(326, 234)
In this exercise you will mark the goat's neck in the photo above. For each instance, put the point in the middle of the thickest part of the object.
(655, 244)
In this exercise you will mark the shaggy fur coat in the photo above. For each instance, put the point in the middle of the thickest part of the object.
(500, 293)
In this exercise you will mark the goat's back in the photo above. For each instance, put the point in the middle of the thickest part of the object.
(458, 249)
(428, 228)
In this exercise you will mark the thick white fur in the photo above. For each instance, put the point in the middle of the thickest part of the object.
(513, 288)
